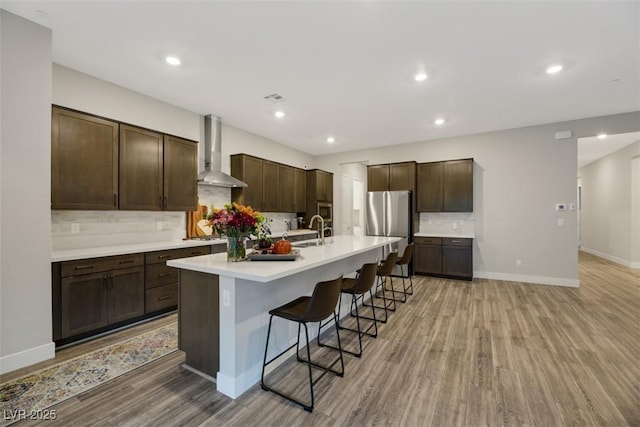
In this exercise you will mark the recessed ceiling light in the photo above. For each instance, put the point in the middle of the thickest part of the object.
(279, 114)
(439, 121)
(602, 136)
(172, 60)
(331, 140)
(420, 77)
(553, 69)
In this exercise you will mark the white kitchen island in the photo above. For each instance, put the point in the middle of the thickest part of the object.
(223, 307)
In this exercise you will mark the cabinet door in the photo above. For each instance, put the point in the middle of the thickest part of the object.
(402, 176)
(378, 178)
(140, 169)
(83, 303)
(180, 174)
(270, 190)
(428, 259)
(458, 186)
(299, 190)
(249, 170)
(457, 261)
(286, 184)
(430, 187)
(126, 294)
(328, 186)
(84, 161)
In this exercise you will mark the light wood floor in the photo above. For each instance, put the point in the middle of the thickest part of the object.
(458, 353)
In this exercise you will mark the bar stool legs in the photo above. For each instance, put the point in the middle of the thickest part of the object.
(359, 331)
(304, 310)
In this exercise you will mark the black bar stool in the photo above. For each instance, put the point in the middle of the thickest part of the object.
(357, 288)
(382, 273)
(407, 255)
(316, 308)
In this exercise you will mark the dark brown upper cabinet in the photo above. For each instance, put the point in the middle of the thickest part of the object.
(458, 186)
(141, 178)
(84, 161)
(299, 190)
(392, 177)
(102, 164)
(271, 186)
(286, 184)
(248, 169)
(180, 174)
(445, 186)
(319, 186)
(157, 172)
(378, 178)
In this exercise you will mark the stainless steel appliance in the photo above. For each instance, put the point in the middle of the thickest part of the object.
(389, 213)
(325, 210)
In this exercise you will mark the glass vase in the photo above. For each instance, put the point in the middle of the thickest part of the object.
(235, 249)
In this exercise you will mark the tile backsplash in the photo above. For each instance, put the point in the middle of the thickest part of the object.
(90, 229)
(443, 223)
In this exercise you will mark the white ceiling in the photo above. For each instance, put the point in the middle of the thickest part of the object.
(593, 148)
(346, 68)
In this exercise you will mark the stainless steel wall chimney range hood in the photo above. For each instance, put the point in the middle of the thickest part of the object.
(212, 174)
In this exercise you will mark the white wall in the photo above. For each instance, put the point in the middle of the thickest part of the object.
(519, 175)
(25, 181)
(607, 212)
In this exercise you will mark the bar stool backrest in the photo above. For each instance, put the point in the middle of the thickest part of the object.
(323, 300)
(387, 267)
(406, 255)
(366, 279)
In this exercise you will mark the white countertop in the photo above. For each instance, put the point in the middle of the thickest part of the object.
(73, 254)
(448, 235)
(266, 271)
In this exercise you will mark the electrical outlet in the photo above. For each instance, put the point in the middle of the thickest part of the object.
(518, 263)
(572, 206)
(75, 228)
(159, 225)
(226, 298)
(454, 225)
(560, 222)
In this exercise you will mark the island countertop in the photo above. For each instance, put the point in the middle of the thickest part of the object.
(267, 271)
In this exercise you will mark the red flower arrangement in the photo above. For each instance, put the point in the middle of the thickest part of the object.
(236, 220)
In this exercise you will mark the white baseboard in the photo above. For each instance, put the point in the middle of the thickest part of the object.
(25, 358)
(540, 280)
(611, 258)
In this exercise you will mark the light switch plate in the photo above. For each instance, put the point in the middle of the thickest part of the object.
(226, 298)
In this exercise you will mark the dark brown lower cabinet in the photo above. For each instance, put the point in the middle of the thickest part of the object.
(83, 303)
(445, 257)
(94, 295)
(428, 255)
(95, 300)
(125, 294)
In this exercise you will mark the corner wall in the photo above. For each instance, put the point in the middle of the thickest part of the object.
(25, 181)
(607, 226)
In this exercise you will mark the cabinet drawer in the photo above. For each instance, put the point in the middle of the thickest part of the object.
(428, 240)
(161, 297)
(449, 241)
(160, 274)
(94, 265)
(164, 256)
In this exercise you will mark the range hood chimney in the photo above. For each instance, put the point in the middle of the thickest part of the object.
(212, 174)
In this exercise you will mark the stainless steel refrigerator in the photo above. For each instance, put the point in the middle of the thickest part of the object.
(389, 213)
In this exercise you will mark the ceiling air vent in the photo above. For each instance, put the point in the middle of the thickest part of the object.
(274, 98)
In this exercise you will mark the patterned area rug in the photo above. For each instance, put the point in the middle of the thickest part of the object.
(44, 388)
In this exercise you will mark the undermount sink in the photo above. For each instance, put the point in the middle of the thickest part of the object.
(305, 244)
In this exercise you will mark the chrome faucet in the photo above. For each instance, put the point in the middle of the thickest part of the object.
(313, 218)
